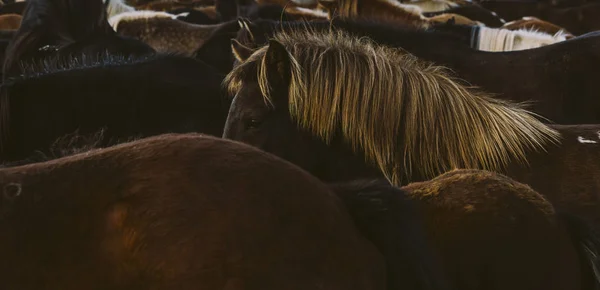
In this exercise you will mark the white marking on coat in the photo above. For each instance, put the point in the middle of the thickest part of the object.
(585, 141)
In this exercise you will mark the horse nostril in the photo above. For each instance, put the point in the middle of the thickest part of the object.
(12, 191)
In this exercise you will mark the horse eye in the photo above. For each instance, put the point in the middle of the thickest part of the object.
(253, 123)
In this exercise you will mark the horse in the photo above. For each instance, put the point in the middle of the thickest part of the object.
(561, 79)
(126, 96)
(162, 31)
(65, 27)
(465, 213)
(343, 107)
(533, 23)
(176, 212)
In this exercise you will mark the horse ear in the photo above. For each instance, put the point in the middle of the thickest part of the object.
(277, 58)
(240, 51)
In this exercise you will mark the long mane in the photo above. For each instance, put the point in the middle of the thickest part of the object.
(403, 113)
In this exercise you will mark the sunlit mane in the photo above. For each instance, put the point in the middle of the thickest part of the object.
(407, 116)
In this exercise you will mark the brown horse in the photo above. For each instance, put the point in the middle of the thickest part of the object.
(465, 213)
(561, 78)
(329, 102)
(178, 212)
(162, 31)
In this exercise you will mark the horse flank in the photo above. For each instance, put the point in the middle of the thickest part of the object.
(433, 124)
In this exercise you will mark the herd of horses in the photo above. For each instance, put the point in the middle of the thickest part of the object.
(300, 144)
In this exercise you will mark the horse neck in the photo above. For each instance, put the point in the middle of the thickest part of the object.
(338, 163)
(463, 34)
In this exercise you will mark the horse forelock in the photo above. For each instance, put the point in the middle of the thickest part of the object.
(402, 113)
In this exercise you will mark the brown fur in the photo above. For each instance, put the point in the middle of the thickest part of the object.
(298, 13)
(533, 23)
(458, 19)
(178, 212)
(476, 218)
(381, 10)
(10, 21)
(167, 35)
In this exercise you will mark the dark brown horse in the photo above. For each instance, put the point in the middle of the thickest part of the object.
(558, 81)
(178, 212)
(126, 96)
(343, 108)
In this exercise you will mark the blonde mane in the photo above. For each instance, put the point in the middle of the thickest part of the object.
(404, 114)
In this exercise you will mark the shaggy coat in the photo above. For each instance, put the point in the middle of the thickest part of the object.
(176, 212)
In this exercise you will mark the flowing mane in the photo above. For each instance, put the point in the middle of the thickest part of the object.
(404, 114)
